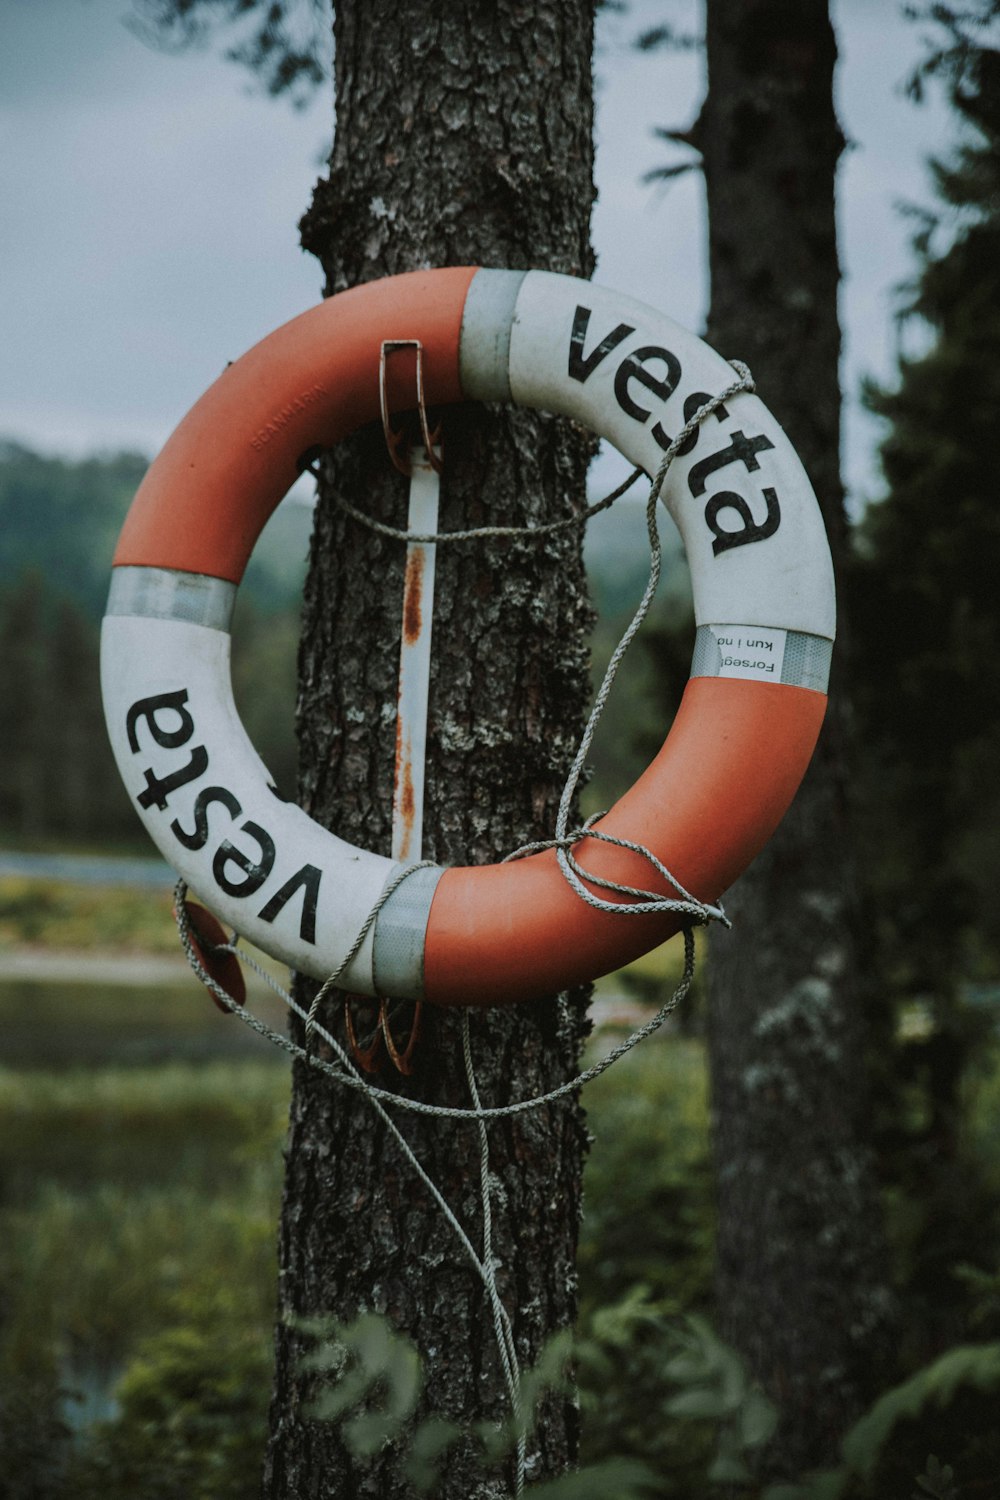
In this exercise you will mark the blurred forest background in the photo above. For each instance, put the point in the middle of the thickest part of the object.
(140, 1143)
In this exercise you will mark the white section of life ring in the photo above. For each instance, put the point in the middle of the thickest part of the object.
(296, 890)
(607, 361)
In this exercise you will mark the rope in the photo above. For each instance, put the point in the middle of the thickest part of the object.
(478, 533)
(347, 1074)
(647, 901)
(743, 382)
(636, 901)
(380, 1100)
(355, 948)
(501, 1322)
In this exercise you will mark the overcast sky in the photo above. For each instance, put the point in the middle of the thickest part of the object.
(149, 208)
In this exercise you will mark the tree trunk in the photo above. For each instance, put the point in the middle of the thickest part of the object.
(463, 137)
(800, 1271)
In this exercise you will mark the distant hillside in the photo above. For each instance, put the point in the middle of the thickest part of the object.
(616, 550)
(61, 518)
(59, 521)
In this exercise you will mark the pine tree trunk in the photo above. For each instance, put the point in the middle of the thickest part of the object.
(800, 1272)
(463, 137)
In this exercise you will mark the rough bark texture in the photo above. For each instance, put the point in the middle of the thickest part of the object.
(463, 136)
(800, 1275)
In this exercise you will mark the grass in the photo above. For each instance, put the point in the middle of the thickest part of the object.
(98, 1271)
(648, 1209)
(134, 1200)
(139, 1194)
(983, 1114)
(139, 1200)
(56, 914)
(165, 1126)
(54, 1025)
(138, 1214)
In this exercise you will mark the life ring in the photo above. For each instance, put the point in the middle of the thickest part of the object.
(740, 743)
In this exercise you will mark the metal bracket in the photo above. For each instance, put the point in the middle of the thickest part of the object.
(395, 440)
(422, 465)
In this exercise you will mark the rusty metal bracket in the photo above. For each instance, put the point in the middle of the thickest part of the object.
(402, 1059)
(423, 467)
(368, 1055)
(395, 440)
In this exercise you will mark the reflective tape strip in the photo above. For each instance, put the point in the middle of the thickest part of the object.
(484, 345)
(400, 930)
(763, 654)
(165, 594)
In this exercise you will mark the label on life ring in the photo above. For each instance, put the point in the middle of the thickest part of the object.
(757, 654)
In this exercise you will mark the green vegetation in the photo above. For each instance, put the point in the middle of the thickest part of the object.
(138, 1203)
(137, 1273)
(57, 777)
(55, 914)
(649, 1167)
(925, 595)
(64, 517)
(923, 601)
(138, 1209)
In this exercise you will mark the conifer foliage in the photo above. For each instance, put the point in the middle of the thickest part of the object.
(926, 637)
(926, 617)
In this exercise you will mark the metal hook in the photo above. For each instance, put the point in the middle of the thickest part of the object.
(402, 1059)
(369, 1055)
(394, 440)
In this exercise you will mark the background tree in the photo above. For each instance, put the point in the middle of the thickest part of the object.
(928, 630)
(801, 1281)
(58, 780)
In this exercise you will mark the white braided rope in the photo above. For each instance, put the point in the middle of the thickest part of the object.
(344, 1072)
(478, 533)
(743, 382)
(382, 1100)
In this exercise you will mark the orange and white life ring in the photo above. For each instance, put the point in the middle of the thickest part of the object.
(737, 750)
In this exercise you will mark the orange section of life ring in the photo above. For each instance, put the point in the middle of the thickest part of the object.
(708, 802)
(204, 502)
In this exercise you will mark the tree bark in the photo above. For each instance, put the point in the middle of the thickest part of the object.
(463, 136)
(801, 1278)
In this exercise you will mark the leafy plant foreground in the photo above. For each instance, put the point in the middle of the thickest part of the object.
(137, 1274)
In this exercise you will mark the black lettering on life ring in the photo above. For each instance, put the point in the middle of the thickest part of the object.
(741, 450)
(633, 367)
(198, 836)
(160, 788)
(751, 530)
(309, 878)
(581, 366)
(255, 871)
(148, 708)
